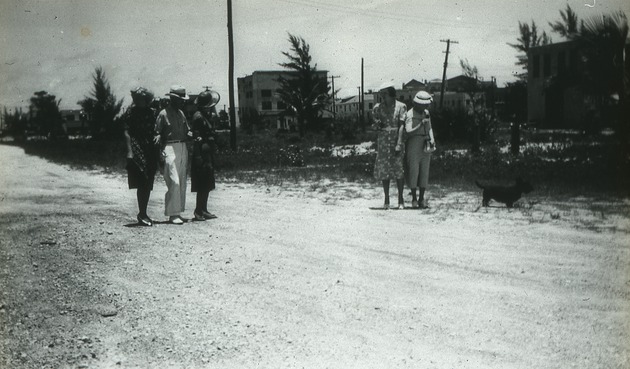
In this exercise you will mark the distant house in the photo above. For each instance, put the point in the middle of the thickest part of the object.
(452, 100)
(74, 120)
(349, 107)
(259, 101)
(407, 92)
(553, 98)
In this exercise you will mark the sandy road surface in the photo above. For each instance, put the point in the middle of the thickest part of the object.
(305, 276)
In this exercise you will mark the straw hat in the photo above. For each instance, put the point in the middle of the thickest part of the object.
(422, 98)
(178, 91)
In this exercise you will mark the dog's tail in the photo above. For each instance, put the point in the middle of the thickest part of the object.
(479, 185)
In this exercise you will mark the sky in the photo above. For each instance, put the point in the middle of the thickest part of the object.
(56, 45)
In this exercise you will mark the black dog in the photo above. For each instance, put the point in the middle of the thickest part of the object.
(505, 194)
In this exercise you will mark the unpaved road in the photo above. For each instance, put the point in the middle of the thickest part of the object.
(305, 276)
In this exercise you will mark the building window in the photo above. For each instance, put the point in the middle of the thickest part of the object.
(561, 62)
(536, 66)
(370, 106)
(546, 65)
(281, 105)
(266, 105)
(265, 93)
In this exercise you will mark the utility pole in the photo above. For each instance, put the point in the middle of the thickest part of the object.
(361, 100)
(231, 77)
(333, 96)
(448, 46)
(359, 105)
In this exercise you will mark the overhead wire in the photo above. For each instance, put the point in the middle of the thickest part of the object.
(393, 16)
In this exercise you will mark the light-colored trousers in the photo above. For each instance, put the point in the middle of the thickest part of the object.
(175, 165)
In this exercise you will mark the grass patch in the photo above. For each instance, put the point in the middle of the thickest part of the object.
(561, 164)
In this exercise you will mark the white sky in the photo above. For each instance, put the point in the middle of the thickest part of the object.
(55, 45)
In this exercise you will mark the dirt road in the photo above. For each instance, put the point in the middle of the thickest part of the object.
(305, 276)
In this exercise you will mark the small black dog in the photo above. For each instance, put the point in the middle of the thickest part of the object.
(505, 194)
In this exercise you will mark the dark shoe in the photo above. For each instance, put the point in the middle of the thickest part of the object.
(208, 215)
(145, 221)
(423, 205)
(198, 217)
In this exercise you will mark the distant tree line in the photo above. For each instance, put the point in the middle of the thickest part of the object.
(43, 118)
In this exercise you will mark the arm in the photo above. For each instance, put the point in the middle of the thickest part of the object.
(430, 128)
(128, 142)
(159, 123)
(401, 129)
(377, 125)
(399, 141)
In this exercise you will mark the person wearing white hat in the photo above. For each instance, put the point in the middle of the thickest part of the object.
(389, 120)
(202, 169)
(172, 132)
(419, 145)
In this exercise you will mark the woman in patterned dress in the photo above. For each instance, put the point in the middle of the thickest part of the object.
(389, 119)
(142, 153)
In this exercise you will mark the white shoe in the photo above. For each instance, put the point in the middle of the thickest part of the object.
(175, 220)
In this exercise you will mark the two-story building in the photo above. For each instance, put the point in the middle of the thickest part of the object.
(350, 107)
(258, 99)
(553, 98)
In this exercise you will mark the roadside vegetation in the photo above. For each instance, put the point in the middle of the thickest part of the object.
(483, 141)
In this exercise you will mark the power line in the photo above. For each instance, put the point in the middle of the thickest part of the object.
(393, 16)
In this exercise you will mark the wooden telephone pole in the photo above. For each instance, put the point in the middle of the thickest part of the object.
(361, 101)
(333, 95)
(232, 113)
(448, 46)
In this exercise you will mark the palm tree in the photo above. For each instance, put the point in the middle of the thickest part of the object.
(529, 38)
(605, 79)
(568, 27)
(304, 93)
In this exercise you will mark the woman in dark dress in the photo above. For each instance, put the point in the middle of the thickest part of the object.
(142, 153)
(204, 147)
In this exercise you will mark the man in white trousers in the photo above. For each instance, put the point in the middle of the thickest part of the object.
(172, 132)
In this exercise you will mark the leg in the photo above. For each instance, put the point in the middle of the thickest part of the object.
(421, 204)
(400, 183)
(386, 191)
(425, 163)
(205, 201)
(142, 194)
(143, 200)
(414, 198)
(173, 198)
(183, 179)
